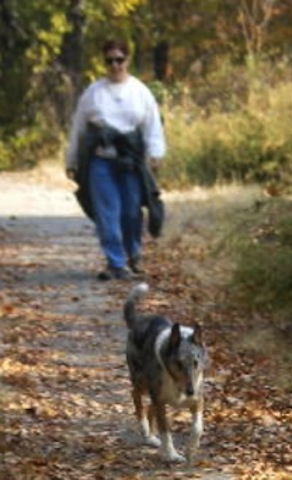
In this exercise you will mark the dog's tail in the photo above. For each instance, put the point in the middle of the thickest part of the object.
(130, 304)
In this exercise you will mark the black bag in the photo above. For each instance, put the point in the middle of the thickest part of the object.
(153, 202)
(156, 216)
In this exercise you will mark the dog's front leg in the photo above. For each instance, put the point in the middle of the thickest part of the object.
(196, 428)
(146, 423)
(167, 449)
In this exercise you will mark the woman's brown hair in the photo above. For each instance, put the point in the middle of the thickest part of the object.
(121, 45)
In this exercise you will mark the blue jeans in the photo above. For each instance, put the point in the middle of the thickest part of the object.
(117, 198)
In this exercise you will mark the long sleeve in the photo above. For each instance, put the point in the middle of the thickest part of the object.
(153, 131)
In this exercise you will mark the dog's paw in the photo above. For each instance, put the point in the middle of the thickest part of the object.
(152, 441)
(192, 448)
(189, 455)
(173, 457)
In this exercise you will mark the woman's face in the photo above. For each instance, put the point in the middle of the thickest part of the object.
(117, 65)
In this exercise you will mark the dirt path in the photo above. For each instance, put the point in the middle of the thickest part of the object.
(64, 384)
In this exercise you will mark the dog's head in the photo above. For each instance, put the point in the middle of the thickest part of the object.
(185, 358)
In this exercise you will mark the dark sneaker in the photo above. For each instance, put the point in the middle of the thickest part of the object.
(122, 274)
(112, 273)
(135, 266)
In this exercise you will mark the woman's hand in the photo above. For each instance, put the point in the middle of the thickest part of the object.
(71, 174)
(155, 164)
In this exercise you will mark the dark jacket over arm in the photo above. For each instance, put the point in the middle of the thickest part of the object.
(131, 155)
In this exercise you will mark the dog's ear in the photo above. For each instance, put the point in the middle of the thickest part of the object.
(197, 335)
(175, 336)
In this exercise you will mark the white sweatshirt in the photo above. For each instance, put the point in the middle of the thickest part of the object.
(123, 106)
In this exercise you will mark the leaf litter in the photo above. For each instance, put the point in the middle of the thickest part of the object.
(66, 410)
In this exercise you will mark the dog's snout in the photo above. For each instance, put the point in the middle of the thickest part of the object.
(190, 390)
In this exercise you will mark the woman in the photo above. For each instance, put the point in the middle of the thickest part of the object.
(118, 105)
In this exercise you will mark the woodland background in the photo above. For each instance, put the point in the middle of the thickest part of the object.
(220, 69)
(222, 73)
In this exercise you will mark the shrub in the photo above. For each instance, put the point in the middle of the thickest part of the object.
(29, 145)
(263, 274)
(248, 142)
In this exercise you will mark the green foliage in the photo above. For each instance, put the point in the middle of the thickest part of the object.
(5, 156)
(264, 276)
(224, 119)
(173, 94)
(248, 140)
(262, 245)
(30, 145)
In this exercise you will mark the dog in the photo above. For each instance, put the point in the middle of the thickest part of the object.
(166, 361)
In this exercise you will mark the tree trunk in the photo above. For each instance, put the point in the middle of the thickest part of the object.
(72, 50)
(139, 54)
(13, 42)
(160, 60)
(12, 37)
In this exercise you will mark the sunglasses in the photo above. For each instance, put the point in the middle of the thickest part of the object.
(112, 60)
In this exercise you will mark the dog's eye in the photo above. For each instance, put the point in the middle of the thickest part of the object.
(195, 363)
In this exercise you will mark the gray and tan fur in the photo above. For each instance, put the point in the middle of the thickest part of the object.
(166, 362)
